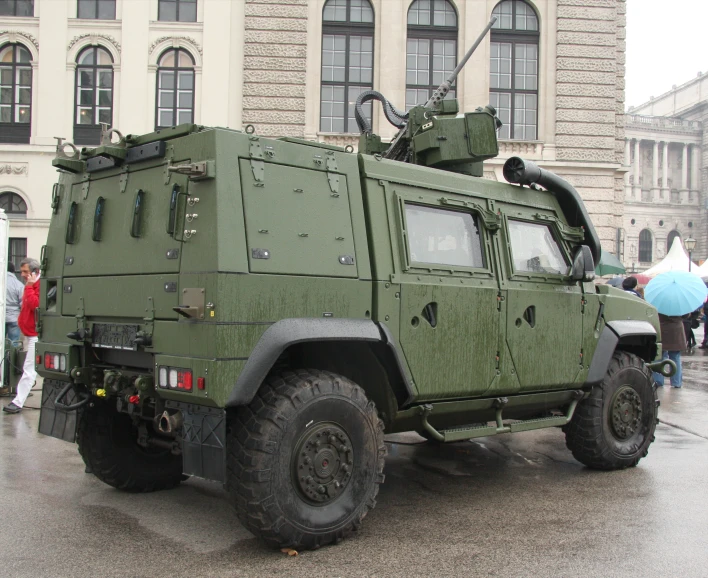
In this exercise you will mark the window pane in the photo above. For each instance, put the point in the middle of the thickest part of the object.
(525, 17)
(165, 118)
(184, 116)
(87, 9)
(354, 92)
(333, 52)
(419, 13)
(24, 96)
(24, 76)
(86, 97)
(535, 250)
(361, 11)
(443, 237)
(187, 11)
(84, 116)
(335, 11)
(7, 8)
(500, 65)
(185, 59)
(104, 115)
(167, 11)
(5, 75)
(503, 12)
(443, 14)
(167, 79)
(107, 9)
(526, 65)
(6, 95)
(85, 77)
(24, 8)
(105, 78)
(5, 114)
(22, 114)
(332, 109)
(168, 59)
(502, 103)
(184, 100)
(87, 57)
(104, 98)
(167, 99)
(525, 109)
(104, 57)
(186, 80)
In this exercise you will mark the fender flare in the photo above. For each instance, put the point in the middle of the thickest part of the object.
(287, 332)
(609, 338)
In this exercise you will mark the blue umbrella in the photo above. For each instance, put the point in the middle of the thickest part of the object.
(676, 292)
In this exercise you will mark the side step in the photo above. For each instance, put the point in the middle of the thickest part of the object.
(459, 434)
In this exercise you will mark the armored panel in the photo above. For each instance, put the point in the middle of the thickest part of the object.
(57, 422)
(297, 221)
(203, 441)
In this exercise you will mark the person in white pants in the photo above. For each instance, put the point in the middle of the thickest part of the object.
(30, 301)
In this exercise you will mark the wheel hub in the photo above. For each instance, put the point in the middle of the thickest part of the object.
(322, 463)
(626, 412)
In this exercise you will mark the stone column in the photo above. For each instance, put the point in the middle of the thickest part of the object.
(695, 164)
(665, 193)
(637, 189)
(655, 172)
(684, 168)
(627, 163)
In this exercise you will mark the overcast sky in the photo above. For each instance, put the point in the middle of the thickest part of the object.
(667, 44)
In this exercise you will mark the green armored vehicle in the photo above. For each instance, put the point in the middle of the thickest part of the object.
(260, 312)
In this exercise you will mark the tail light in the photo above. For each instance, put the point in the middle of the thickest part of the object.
(53, 361)
(174, 378)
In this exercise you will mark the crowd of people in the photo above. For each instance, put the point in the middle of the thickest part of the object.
(676, 333)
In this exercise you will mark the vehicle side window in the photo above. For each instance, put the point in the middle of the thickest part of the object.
(443, 237)
(534, 249)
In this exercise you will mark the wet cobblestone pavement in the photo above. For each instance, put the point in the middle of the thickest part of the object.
(503, 506)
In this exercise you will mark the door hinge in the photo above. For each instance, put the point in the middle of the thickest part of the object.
(332, 176)
(257, 164)
(196, 171)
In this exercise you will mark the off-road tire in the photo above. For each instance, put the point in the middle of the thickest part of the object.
(108, 445)
(598, 434)
(267, 440)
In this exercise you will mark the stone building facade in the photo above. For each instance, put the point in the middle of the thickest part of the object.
(666, 187)
(555, 69)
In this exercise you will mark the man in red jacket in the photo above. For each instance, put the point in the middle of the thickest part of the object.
(30, 301)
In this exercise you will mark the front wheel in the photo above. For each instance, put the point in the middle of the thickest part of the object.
(613, 427)
(305, 459)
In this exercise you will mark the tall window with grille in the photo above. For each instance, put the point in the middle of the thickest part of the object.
(177, 10)
(513, 80)
(16, 251)
(347, 62)
(175, 88)
(431, 49)
(645, 246)
(96, 9)
(17, 8)
(94, 94)
(15, 94)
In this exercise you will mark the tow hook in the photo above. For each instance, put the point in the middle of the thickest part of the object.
(666, 367)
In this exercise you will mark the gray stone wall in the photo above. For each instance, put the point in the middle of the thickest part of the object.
(590, 104)
(275, 55)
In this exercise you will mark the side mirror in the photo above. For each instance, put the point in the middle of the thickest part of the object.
(583, 268)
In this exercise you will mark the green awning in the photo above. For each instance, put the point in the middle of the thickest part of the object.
(609, 265)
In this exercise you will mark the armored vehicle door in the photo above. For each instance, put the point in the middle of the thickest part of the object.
(449, 319)
(543, 324)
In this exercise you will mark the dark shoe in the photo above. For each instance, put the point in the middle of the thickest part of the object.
(703, 346)
(12, 408)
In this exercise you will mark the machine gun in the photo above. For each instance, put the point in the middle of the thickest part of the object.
(434, 134)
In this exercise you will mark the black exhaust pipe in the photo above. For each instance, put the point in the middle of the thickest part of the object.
(520, 172)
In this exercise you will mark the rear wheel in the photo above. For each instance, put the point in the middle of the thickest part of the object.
(305, 459)
(613, 428)
(108, 444)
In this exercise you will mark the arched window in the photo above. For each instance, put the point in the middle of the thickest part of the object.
(670, 238)
(431, 49)
(13, 205)
(94, 94)
(175, 88)
(513, 76)
(97, 9)
(347, 62)
(645, 246)
(15, 94)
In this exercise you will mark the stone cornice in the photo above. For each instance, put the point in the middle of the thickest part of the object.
(95, 37)
(26, 35)
(162, 39)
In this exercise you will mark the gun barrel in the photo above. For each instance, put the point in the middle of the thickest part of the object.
(444, 88)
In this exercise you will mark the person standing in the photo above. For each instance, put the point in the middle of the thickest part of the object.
(630, 286)
(13, 301)
(673, 342)
(30, 301)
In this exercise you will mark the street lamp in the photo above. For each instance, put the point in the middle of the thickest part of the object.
(690, 244)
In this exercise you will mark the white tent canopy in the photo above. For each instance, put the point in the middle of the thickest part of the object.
(702, 270)
(676, 260)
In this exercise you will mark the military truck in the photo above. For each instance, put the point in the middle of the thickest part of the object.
(259, 312)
